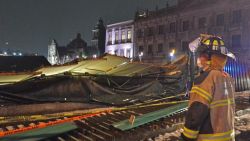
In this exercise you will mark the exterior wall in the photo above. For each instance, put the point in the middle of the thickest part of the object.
(99, 36)
(120, 47)
(192, 12)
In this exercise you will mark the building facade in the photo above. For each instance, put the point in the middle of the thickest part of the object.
(120, 39)
(77, 48)
(160, 32)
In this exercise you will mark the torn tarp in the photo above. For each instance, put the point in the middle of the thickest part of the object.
(111, 80)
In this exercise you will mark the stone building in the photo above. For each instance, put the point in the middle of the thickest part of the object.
(99, 37)
(119, 39)
(159, 32)
(77, 48)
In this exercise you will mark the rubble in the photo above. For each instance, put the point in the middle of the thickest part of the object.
(242, 125)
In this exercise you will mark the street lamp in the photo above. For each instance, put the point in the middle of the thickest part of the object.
(94, 56)
(140, 56)
(171, 54)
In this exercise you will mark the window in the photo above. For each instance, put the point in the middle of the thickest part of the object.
(140, 48)
(202, 22)
(95, 35)
(129, 35)
(150, 31)
(150, 50)
(220, 20)
(236, 41)
(109, 38)
(236, 19)
(117, 37)
(171, 45)
(116, 52)
(161, 29)
(128, 53)
(184, 46)
(123, 36)
(139, 33)
(121, 52)
(185, 25)
(172, 27)
(160, 48)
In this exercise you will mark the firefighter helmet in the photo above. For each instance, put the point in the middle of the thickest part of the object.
(210, 44)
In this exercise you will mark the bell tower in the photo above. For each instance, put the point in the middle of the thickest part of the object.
(99, 36)
(52, 52)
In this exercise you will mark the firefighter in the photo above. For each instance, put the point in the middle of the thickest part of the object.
(210, 115)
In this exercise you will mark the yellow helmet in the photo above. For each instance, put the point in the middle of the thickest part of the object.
(214, 44)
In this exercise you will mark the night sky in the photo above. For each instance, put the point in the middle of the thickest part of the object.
(29, 25)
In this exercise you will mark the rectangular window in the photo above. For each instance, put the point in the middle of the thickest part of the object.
(129, 35)
(150, 50)
(116, 52)
(123, 36)
(171, 45)
(150, 31)
(202, 22)
(121, 52)
(160, 48)
(95, 35)
(140, 48)
(236, 19)
(185, 25)
(128, 53)
(220, 20)
(139, 33)
(109, 38)
(184, 46)
(117, 37)
(236, 41)
(161, 29)
(172, 27)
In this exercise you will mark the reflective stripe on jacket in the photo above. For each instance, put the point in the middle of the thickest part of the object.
(210, 116)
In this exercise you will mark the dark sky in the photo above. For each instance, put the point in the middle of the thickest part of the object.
(29, 25)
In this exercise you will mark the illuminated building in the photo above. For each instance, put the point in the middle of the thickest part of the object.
(77, 48)
(119, 39)
(160, 31)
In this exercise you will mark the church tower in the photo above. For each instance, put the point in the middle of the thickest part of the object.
(52, 52)
(99, 36)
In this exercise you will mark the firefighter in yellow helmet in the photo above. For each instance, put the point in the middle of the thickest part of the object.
(210, 115)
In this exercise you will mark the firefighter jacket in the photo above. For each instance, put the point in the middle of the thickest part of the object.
(210, 115)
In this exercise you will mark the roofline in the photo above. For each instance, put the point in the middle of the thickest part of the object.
(121, 23)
